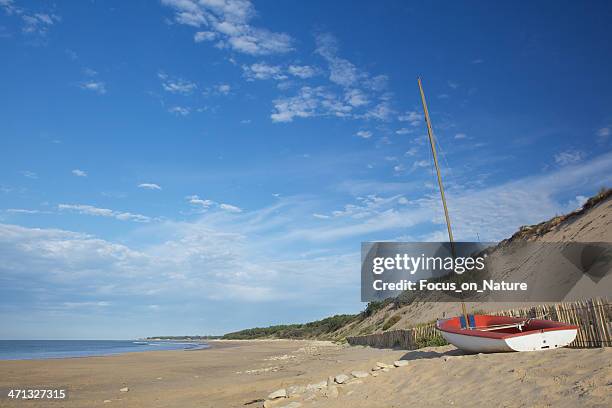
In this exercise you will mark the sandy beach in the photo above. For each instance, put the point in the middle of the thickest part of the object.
(244, 373)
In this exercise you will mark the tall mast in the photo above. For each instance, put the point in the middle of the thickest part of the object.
(432, 142)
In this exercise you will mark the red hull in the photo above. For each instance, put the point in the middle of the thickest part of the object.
(453, 325)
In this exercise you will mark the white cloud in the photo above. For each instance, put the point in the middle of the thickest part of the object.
(569, 157)
(310, 102)
(382, 112)
(224, 89)
(261, 70)
(195, 200)
(206, 204)
(103, 212)
(230, 208)
(356, 98)
(200, 260)
(22, 211)
(149, 186)
(420, 164)
(342, 71)
(72, 54)
(460, 136)
(603, 134)
(229, 21)
(90, 72)
(94, 86)
(29, 174)
(321, 216)
(365, 134)
(79, 173)
(33, 22)
(180, 110)
(579, 201)
(74, 305)
(413, 117)
(411, 152)
(177, 85)
(302, 71)
(358, 84)
(202, 36)
(453, 85)
(303, 105)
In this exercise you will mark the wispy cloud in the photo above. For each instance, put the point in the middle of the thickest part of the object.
(414, 118)
(352, 92)
(569, 157)
(302, 105)
(196, 200)
(80, 305)
(364, 134)
(180, 110)
(98, 87)
(403, 131)
(223, 89)
(229, 24)
(22, 211)
(603, 134)
(103, 212)
(37, 23)
(149, 186)
(341, 71)
(493, 212)
(356, 98)
(302, 71)
(199, 262)
(202, 36)
(79, 173)
(230, 208)
(206, 204)
(176, 85)
(261, 70)
(29, 174)
(381, 111)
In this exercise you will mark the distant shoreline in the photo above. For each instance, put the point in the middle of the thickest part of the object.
(17, 350)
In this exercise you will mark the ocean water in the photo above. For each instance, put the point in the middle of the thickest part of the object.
(43, 349)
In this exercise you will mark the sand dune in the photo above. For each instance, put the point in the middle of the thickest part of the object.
(592, 224)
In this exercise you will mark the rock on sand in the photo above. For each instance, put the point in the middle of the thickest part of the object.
(341, 378)
(280, 393)
(359, 374)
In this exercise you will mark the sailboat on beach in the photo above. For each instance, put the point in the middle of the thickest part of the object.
(487, 333)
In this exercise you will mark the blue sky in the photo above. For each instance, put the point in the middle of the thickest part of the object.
(181, 167)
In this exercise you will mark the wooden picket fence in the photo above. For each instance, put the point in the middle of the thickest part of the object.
(592, 316)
